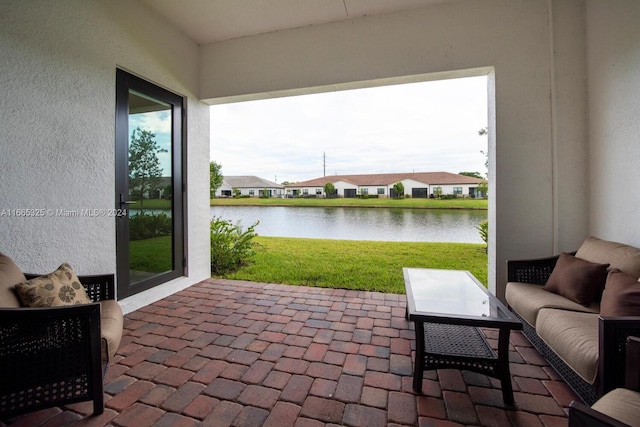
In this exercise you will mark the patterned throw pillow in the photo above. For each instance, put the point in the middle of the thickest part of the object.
(61, 287)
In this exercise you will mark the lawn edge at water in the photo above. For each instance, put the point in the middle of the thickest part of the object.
(409, 203)
(355, 264)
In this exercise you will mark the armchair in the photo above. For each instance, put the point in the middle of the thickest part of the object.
(619, 407)
(57, 355)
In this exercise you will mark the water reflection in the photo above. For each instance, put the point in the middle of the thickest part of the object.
(401, 225)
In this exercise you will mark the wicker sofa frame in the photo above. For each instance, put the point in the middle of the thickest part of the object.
(52, 356)
(612, 336)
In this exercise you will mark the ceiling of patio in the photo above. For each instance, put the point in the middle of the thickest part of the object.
(209, 21)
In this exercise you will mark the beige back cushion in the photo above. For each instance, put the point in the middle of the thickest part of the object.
(623, 257)
(10, 275)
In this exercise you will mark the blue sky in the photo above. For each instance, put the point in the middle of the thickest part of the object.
(421, 127)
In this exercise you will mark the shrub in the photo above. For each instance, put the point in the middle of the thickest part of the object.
(483, 228)
(147, 225)
(231, 247)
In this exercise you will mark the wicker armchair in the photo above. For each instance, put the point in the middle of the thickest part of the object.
(53, 356)
(618, 408)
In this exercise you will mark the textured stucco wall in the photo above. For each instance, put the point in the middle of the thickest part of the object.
(57, 73)
(537, 138)
(613, 40)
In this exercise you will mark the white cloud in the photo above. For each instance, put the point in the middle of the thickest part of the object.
(431, 126)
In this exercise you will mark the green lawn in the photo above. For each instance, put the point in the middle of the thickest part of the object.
(360, 265)
(340, 264)
(151, 255)
(152, 204)
(340, 202)
(362, 203)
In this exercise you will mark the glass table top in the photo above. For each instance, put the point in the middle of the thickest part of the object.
(450, 293)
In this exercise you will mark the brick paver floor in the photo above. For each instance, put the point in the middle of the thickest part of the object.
(233, 353)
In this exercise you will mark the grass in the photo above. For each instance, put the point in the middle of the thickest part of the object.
(152, 255)
(357, 265)
(152, 204)
(460, 203)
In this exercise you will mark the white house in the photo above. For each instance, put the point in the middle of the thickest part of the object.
(563, 94)
(416, 184)
(251, 186)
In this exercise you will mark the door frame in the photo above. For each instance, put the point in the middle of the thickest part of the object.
(125, 82)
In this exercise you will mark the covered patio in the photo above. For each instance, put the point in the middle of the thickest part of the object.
(234, 353)
(563, 135)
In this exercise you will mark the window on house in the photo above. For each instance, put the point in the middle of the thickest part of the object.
(365, 191)
(318, 191)
(305, 192)
(457, 190)
(380, 190)
(252, 192)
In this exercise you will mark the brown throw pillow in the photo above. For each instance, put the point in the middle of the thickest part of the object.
(621, 296)
(576, 279)
(61, 287)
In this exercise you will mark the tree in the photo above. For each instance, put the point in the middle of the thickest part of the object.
(398, 189)
(472, 174)
(483, 188)
(215, 178)
(329, 189)
(482, 132)
(144, 166)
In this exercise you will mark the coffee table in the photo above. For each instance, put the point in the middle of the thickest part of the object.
(448, 307)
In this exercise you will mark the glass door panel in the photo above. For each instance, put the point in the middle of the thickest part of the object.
(150, 204)
(150, 243)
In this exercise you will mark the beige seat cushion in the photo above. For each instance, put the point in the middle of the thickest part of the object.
(527, 299)
(574, 337)
(621, 404)
(111, 324)
(10, 276)
(623, 257)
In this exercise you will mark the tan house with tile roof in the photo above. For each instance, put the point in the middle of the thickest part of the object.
(416, 184)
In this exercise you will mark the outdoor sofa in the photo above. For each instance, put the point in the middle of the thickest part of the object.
(578, 309)
(56, 350)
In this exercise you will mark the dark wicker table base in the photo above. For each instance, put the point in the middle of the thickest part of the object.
(444, 346)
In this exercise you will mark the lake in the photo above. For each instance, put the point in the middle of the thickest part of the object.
(385, 224)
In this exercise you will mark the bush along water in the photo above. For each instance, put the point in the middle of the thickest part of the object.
(483, 228)
(148, 225)
(231, 247)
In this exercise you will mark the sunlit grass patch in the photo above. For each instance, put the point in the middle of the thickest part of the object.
(358, 265)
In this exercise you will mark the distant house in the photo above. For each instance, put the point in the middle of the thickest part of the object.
(416, 184)
(251, 186)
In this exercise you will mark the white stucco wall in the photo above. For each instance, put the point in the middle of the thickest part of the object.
(58, 62)
(537, 122)
(613, 40)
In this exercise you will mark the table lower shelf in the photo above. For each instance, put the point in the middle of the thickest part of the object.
(458, 347)
(445, 346)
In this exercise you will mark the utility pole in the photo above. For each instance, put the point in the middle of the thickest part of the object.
(324, 164)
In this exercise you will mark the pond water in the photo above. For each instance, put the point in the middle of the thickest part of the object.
(384, 224)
